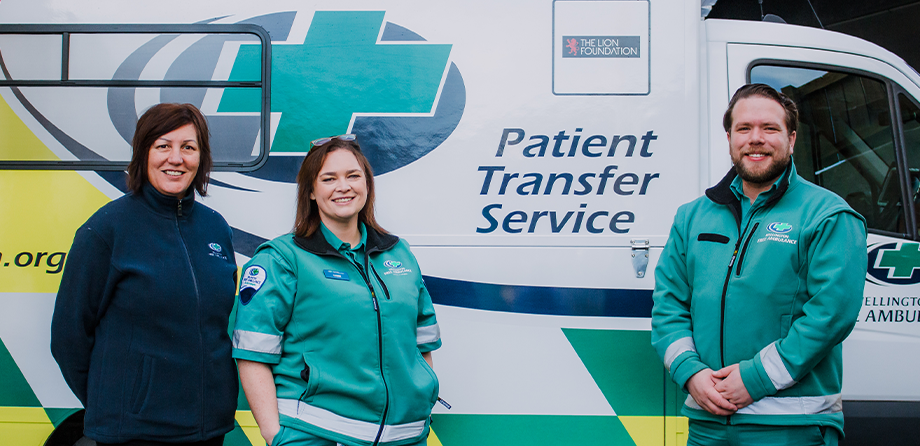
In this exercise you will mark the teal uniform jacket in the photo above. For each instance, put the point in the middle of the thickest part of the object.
(776, 292)
(344, 339)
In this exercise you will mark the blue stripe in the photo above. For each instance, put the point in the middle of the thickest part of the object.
(540, 300)
(246, 243)
(278, 168)
(228, 186)
(117, 178)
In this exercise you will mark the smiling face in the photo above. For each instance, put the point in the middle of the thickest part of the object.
(340, 190)
(172, 162)
(759, 142)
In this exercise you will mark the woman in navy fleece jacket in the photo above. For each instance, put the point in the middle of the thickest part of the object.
(140, 321)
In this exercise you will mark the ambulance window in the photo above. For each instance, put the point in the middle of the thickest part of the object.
(910, 127)
(71, 95)
(845, 139)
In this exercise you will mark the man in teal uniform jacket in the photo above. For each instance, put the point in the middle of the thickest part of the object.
(759, 283)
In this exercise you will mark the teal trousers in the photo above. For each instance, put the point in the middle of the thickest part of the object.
(293, 437)
(707, 433)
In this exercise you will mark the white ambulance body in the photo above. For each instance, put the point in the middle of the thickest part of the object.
(532, 153)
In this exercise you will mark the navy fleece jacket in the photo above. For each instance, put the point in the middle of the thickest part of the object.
(140, 321)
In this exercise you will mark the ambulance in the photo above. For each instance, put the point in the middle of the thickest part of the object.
(532, 153)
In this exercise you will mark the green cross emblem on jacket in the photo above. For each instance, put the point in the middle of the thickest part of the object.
(781, 227)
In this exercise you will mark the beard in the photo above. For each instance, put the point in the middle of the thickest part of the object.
(769, 175)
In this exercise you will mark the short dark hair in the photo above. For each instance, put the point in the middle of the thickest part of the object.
(307, 219)
(158, 121)
(765, 91)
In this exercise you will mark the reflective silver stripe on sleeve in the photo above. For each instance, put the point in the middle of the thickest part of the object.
(676, 348)
(425, 335)
(361, 430)
(775, 368)
(803, 405)
(256, 342)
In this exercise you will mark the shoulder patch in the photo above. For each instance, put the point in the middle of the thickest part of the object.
(253, 279)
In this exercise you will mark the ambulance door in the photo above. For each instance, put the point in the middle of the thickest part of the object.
(859, 136)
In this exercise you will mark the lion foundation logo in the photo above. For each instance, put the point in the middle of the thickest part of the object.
(572, 45)
(894, 263)
(601, 46)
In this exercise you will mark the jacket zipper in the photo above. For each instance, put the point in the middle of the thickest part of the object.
(744, 249)
(728, 276)
(386, 292)
(386, 387)
(191, 269)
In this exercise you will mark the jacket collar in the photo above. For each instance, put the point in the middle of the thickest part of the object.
(722, 193)
(317, 244)
(167, 205)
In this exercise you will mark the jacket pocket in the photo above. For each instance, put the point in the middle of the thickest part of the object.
(311, 376)
(434, 378)
(710, 237)
(141, 386)
(278, 439)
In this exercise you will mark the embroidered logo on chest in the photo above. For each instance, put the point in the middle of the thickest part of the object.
(778, 232)
(395, 268)
(216, 251)
(779, 228)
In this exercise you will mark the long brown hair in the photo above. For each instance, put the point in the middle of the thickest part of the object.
(158, 121)
(307, 219)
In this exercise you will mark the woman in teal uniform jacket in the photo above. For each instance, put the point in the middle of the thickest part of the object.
(334, 326)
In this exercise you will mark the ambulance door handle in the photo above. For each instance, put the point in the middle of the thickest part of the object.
(639, 256)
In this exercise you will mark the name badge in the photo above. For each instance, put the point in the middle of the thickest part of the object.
(335, 275)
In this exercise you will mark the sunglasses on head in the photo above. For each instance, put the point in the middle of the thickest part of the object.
(321, 141)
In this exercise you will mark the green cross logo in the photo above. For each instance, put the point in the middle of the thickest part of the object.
(901, 262)
(339, 70)
(779, 228)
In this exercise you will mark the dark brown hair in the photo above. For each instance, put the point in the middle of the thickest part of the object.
(765, 91)
(158, 121)
(307, 220)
